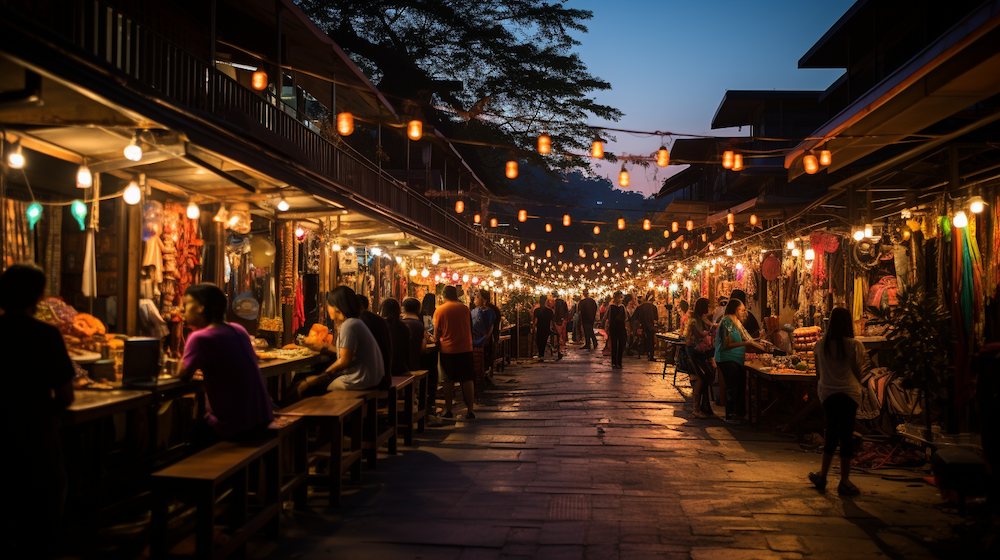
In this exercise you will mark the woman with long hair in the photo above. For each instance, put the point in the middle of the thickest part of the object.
(839, 361)
(700, 350)
(616, 330)
(427, 309)
(731, 343)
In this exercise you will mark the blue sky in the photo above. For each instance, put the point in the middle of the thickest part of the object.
(670, 62)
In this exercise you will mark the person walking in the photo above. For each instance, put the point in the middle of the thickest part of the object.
(731, 343)
(839, 362)
(616, 330)
(647, 322)
(588, 314)
(700, 349)
(453, 330)
(560, 314)
(542, 320)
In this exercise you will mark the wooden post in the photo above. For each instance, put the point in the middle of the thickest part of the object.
(133, 262)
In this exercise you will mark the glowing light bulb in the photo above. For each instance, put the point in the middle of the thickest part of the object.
(132, 194)
(810, 254)
(976, 205)
(425, 273)
(283, 205)
(84, 179)
(869, 231)
(133, 152)
(414, 130)
(435, 258)
(729, 252)
(859, 234)
(497, 273)
(960, 220)
(16, 158)
(413, 272)
(795, 252)
(351, 250)
(790, 245)
(739, 266)
(335, 247)
(34, 213)
(193, 212)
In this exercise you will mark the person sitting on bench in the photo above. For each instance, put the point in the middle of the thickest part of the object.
(237, 405)
(359, 362)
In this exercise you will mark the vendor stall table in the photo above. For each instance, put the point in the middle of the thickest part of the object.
(675, 342)
(802, 384)
(91, 405)
(280, 366)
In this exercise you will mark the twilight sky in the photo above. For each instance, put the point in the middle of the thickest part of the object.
(671, 61)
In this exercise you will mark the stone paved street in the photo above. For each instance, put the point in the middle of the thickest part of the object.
(571, 460)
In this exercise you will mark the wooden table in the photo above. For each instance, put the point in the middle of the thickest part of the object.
(93, 404)
(802, 384)
(675, 340)
(279, 366)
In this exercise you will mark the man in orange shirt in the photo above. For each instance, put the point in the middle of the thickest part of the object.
(453, 331)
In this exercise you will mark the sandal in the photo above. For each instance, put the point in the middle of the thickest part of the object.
(851, 490)
(818, 480)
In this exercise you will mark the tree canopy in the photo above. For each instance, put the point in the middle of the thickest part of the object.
(487, 72)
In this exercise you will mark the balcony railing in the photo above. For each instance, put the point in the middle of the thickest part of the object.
(131, 49)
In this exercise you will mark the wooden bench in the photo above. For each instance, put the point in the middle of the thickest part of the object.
(371, 437)
(202, 474)
(418, 414)
(330, 414)
(404, 387)
(501, 356)
(293, 451)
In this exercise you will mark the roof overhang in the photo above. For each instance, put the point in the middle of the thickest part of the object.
(738, 107)
(957, 71)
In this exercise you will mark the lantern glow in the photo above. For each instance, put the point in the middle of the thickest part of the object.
(597, 230)
(825, 157)
(621, 223)
(544, 144)
(623, 177)
(415, 130)
(597, 149)
(727, 159)
(662, 157)
(493, 222)
(459, 207)
(647, 225)
(810, 164)
(258, 80)
(511, 170)
(737, 162)
(690, 225)
(522, 215)
(345, 124)
(566, 220)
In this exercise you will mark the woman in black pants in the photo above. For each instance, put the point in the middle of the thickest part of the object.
(542, 318)
(731, 343)
(839, 360)
(616, 330)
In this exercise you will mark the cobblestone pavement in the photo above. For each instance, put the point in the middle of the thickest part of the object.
(572, 460)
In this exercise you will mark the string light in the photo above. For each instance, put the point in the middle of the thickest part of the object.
(34, 213)
(623, 177)
(425, 273)
(566, 220)
(222, 215)
(729, 252)
(84, 179)
(976, 204)
(597, 230)
(690, 225)
(825, 157)
(532, 246)
(737, 162)
(548, 228)
(132, 194)
(960, 220)
(621, 223)
(548, 253)
(435, 258)
(810, 254)
(283, 205)
(16, 158)
(477, 218)
(647, 225)
(133, 152)
(493, 222)
(79, 211)
(859, 234)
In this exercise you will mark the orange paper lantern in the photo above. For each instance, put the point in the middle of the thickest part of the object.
(548, 228)
(477, 218)
(566, 220)
(597, 230)
(674, 227)
(560, 248)
(825, 157)
(738, 162)
(623, 178)
(522, 215)
(459, 207)
(415, 130)
(258, 80)
(511, 170)
(753, 219)
(493, 222)
(544, 144)
(690, 225)
(345, 124)
(810, 164)
(647, 225)
(662, 157)
(621, 223)
(597, 149)
(727, 159)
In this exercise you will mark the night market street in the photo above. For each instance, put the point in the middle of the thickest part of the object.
(573, 460)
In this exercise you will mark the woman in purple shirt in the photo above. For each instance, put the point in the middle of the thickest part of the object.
(236, 401)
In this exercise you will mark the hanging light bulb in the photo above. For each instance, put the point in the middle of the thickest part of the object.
(454, 277)
(960, 220)
(548, 253)
(465, 277)
(597, 230)
(522, 215)
(566, 220)
(795, 252)
(623, 177)
(351, 250)
(869, 231)
(583, 254)
(335, 247)
(415, 130)
(511, 170)
(258, 80)
(283, 205)
(906, 234)
(825, 157)
(459, 207)
(686, 245)
(16, 158)
(79, 211)
(493, 222)
(790, 245)
(425, 273)
(727, 159)
(662, 157)
(497, 273)
(859, 234)
(732, 227)
(192, 211)
(647, 225)
(34, 213)
(810, 164)
(532, 246)
(666, 234)
(597, 149)
(606, 253)
(133, 152)
(674, 227)
(548, 228)
(413, 272)
(132, 194)
(976, 204)
(435, 258)
(560, 248)
(729, 235)
(810, 254)
(730, 218)
(221, 216)
(729, 252)
(84, 179)
(544, 144)
(739, 266)
(345, 124)
(595, 254)
(737, 162)
(621, 223)
(704, 237)
(477, 218)
(753, 220)
(690, 225)
(711, 246)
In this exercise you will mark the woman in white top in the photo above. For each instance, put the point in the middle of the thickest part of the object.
(839, 359)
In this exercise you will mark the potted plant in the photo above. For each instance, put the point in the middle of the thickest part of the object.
(920, 339)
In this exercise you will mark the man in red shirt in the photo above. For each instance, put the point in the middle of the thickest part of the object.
(453, 331)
